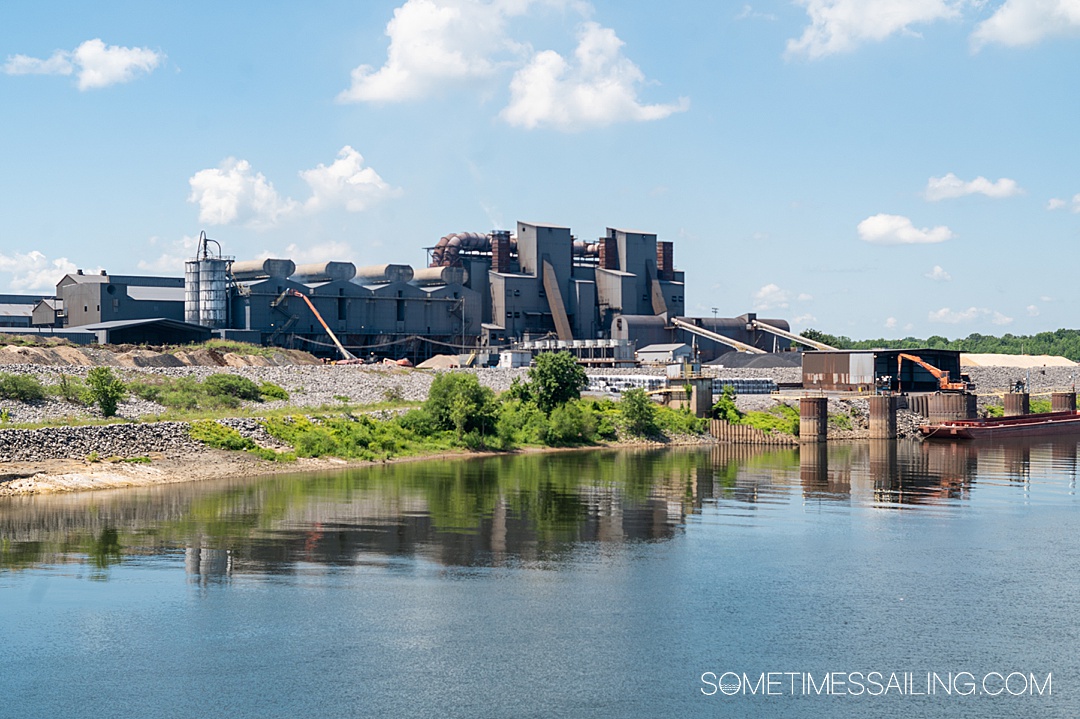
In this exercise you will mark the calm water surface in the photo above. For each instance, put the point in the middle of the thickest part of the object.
(596, 584)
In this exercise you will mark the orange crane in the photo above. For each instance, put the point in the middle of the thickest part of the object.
(293, 293)
(942, 375)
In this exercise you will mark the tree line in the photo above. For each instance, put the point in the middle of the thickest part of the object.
(1063, 342)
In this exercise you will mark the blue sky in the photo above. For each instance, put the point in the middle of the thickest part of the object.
(865, 167)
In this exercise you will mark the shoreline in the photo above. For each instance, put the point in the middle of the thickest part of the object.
(62, 476)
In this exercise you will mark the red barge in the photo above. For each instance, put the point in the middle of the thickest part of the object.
(1029, 425)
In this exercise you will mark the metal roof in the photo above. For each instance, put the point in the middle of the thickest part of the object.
(118, 324)
(664, 347)
(159, 294)
(13, 310)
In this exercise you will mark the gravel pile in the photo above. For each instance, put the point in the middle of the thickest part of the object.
(995, 380)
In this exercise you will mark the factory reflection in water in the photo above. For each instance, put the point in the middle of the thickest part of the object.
(533, 511)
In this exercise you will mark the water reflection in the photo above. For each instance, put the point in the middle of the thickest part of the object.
(530, 510)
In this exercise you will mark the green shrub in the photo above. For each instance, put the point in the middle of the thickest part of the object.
(725, 407)
(780, 418)
(680, 421)
(639, 412)
(995, 410)
(106, 389)
(1041, 406)
(520, 422)
(218, 436)
(271, 391)
(570, 423)
(231, 385)
(457, 401)
(841, 422)
(71, 389)
(418, 422)
(20, 387)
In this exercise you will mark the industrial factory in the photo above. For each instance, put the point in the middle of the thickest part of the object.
(480, 293)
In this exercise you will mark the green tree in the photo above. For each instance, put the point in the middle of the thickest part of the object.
(639, 412)
(457, 401)
(106, 389)
(555, 379)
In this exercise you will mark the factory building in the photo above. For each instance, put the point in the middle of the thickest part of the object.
(481, 290)
(87, 299)
(17, 310)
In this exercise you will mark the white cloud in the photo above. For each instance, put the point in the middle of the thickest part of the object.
(1026, 22)
(94, 63)
(234, 193)
(597, 89)
(938, 274)
(890, 323)
(346, 183)
(772, 296)
(803, 319)
(951, 186)
(948, 316)
(1059, 204)
(897, 230)
(33, 271)
(1032, 311)
(842, 25)
(323, 252)
(231, 192)
(435, 42)
(172, 257)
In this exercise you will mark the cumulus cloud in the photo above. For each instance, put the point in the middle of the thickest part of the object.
(1026, 22)
(890, 323)
(33, 271)
(939, 274)
(322, 252)
(950, 186)
(346, 183)
(772, 296)
(803, 319)
(234, 193)
(898, 230)
(94, 64)
(1032, 311)
(948, 316)
(598, 88)
(749, 13)
(1057, 203)
(435, 42)
(838, 26)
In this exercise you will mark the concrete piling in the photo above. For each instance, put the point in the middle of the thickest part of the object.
(1063, 402)
(1017, 404)
(813, 419)
(949, 406)
(882, 417)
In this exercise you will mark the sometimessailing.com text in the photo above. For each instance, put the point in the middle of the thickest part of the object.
(876, 683)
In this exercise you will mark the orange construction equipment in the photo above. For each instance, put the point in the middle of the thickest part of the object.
(348, 356)
(942, 375)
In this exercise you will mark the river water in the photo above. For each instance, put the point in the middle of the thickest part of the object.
(861, 580)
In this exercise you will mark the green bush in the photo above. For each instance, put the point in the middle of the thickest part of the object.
(841, 422)
(570, 423)
(71, 389)
(725, 407)
(780, 418)
(457, 401)
(271, 391)
(1041, 406)
(20, 387)
(639, 412)
(231, 385)
(218, 436)
(106, 389)
(680, 421)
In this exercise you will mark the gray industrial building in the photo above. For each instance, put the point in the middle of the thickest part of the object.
(480, 290)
